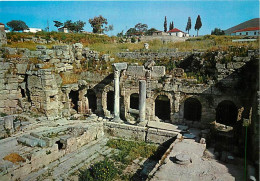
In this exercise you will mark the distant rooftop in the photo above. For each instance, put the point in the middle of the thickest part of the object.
(174, 30)
(247, 29)
(247, 24)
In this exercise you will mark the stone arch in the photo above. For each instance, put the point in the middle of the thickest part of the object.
(74, 97)
(226, 113)
(107, 106)
(134, 101)
(163, 107)
(169, 96)
(110, 101)
(192, 109)
(92, 100)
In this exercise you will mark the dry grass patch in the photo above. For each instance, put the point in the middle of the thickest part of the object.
(29, 45)
(14, 158)
(69, 78)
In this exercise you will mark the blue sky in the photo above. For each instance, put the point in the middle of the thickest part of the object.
(125, 14)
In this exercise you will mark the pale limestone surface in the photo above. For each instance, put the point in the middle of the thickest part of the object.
(200, 169)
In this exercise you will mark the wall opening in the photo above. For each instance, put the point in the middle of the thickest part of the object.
(162, 107)
(23, 93)
(226, 113)
(52, 98)
(134, 101)
(192, 109)
(74, 96)
(92, 100)
(60, 145)
(110, 101)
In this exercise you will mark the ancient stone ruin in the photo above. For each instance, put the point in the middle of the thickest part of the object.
(49, 116)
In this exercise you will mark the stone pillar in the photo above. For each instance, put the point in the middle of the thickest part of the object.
(117, 95)
(142, 100)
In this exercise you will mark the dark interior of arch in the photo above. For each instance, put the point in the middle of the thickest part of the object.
(162, 107)
(226, 113)
(192, 109)
(92, 100)
(74, 96)
(110, 101)
(134, 101)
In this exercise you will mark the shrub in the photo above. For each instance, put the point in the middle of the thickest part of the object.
(133, 40)
(102, 171)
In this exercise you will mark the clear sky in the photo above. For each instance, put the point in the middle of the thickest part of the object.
(125, 14)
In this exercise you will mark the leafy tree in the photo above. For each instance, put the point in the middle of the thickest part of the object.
(188, 27)
(69, 24)
(121, 34)
(131, 31)
(141, 28)
(198, 25)
(150, 31)
(57, 24)
(217, 31)
(78, 25)
(165, 24)
(17, 25)
(109, 28)
(97, 24)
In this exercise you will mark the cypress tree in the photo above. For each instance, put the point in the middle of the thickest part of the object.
(198, 24)
(165, 24)
(188, 27)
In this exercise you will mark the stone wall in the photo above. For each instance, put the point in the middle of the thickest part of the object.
(150, 135)
(152, 55)
(34, 87)
(3, 39)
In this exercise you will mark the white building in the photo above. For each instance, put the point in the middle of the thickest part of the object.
(63, 30)
(32, 30)
(251, 31)
(177, 32)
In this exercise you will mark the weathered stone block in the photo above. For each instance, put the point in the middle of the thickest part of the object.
(120, 66)
(157, 71)
(21, 68)
(9, 122)
(135, 71)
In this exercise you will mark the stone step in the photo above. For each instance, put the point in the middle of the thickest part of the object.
(64, 169)
(87, 152)
(31, 141)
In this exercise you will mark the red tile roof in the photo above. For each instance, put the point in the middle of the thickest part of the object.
(2, 24)
(174, 30)
(247, 29)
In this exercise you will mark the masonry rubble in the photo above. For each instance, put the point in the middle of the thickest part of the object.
(31, 87)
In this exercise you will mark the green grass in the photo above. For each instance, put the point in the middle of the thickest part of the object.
(113, 168)
(131, 150)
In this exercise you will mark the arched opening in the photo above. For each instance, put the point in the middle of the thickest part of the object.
(162, 107)
(192, 109)
(74, 97)
(110, 101)
(134, 101)
(92, 100)
(226, 113)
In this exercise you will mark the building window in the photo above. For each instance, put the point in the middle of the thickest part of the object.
(240, 33)
(255, 33)
(246, 33)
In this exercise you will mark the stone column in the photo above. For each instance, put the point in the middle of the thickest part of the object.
(142, 100)
(117, 95)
